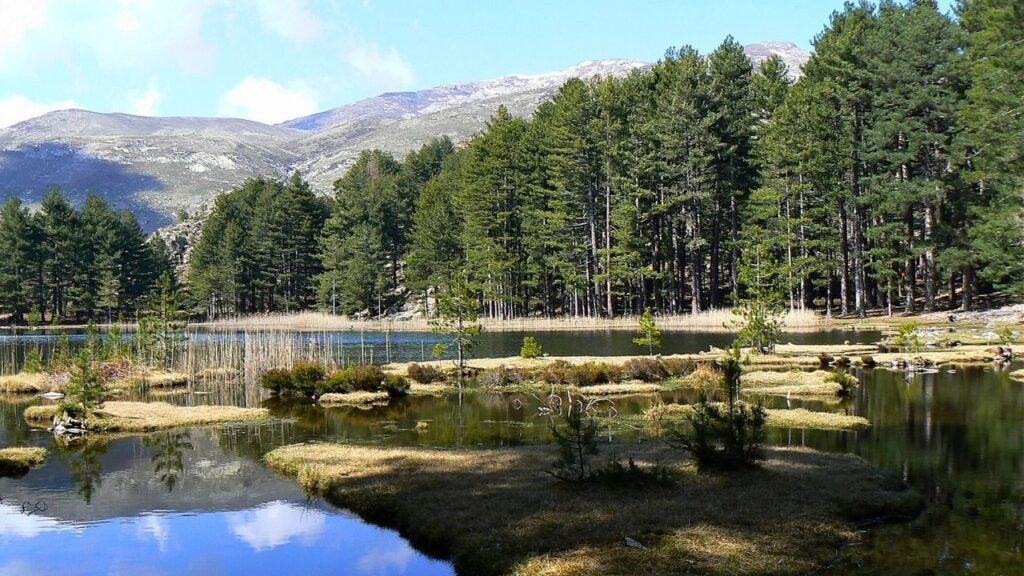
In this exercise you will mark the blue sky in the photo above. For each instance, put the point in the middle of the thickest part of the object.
(272, 60)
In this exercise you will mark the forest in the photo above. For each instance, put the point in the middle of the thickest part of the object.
(66, 264)
(888, 176)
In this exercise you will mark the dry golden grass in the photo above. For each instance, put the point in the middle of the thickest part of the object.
(417, 389)
(17, 461)
(618, 389)
(659, 415)
(164, 379)
(358, 398)
(794, 383)
(710, 320)
(496, 511)
(149, 416)
(28, 383)
(1017, 375)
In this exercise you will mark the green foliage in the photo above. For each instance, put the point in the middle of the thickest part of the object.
(61, 353)
(530, 348)
(306, 378)
(847, 382)
(456, 319)
(73, 264)
(33, 361)
(277, 380)
(364, 378)
(723, 436)
(258, 250)
(84, 384)
(649, 335)
(577, 444)
(907, 337)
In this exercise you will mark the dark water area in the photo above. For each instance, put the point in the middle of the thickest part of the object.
(201, 501)
(380, 347)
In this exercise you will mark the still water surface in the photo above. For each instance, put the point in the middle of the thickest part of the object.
(199, 501)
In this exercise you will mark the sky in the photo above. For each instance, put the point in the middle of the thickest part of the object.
(274, 60)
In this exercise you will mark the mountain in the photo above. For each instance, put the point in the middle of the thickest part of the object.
(160, 166)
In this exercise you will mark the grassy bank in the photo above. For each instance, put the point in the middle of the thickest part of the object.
(497, 512)
(657, 417)
(17, 461)
(150, 416)
(30, 383)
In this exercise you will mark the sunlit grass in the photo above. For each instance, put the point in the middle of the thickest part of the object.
(149, 416)
(17, 461)
(496, 512)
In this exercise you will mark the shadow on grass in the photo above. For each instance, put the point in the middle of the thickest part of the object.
(497, 512)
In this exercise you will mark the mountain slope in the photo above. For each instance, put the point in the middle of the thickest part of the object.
(158, 166)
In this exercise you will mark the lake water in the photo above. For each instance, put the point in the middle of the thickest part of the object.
(200, 501)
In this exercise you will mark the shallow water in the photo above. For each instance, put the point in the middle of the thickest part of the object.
(200, 501)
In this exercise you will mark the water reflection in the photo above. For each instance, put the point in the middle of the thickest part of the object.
(274, 538)
(204, 496)
(168, 462)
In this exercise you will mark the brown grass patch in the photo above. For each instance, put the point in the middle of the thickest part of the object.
(29, 383)
(417, 389)
(794, 383)
(497, 512)
(17, 461)
(357, 398)
(620, 389)
(657, 416)
(149, 416)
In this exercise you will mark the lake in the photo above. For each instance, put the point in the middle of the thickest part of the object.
(200, 500)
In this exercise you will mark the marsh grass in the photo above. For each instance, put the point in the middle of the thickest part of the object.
(1017, 375)
(149, 416)
(660, 415)
(496, 512)
(357, 398)
(29, 383)
(793, 382)
(711, 320)
(17, 461)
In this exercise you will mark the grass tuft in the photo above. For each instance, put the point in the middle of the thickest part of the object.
(15, 462)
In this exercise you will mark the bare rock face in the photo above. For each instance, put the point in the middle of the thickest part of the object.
(158, 167)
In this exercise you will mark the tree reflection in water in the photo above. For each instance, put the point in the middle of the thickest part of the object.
(86, 469)
(168, 461)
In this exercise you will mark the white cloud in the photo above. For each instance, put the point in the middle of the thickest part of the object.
(290, 19)
(18, 17)
(276, 523)
(267, 101)
(148, 104)
(385, 67)
(393, 558)
(155, 527)
(17, 108)
(15, 523)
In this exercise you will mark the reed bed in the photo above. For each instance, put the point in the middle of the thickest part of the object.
(710, 320)
(659, 415)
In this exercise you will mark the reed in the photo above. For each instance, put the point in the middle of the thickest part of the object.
(709, 320)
